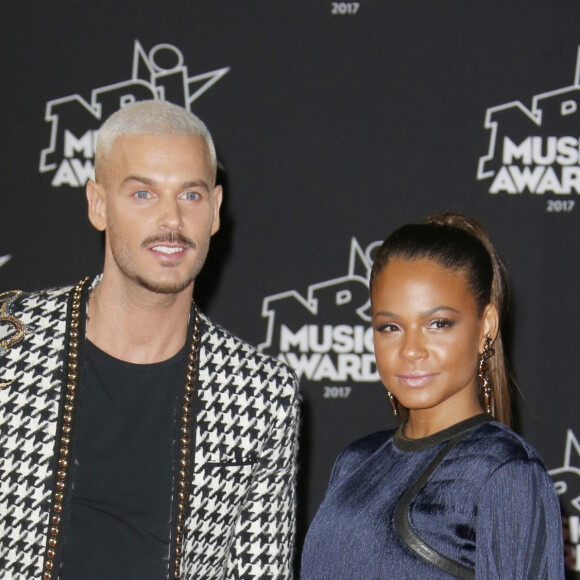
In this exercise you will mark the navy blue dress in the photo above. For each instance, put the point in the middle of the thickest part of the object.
(397, 508)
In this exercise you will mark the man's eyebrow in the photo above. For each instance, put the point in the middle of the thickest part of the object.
(196, 183)
(153, 182)
(140, 179)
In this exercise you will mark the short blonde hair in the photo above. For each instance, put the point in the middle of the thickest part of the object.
(151, 118)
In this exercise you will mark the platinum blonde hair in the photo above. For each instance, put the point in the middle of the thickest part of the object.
(151, 118)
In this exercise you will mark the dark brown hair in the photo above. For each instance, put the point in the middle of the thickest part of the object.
(457, 241)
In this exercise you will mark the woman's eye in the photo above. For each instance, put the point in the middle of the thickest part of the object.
(441, 323)
(386, 327)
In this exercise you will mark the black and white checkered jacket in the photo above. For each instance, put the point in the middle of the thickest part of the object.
(240, 522)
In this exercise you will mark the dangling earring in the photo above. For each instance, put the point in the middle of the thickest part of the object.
(488, 352)
(393, 403)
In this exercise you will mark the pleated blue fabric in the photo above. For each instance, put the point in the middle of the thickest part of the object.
(489, 506)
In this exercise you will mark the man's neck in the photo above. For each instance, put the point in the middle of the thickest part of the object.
(136, 325)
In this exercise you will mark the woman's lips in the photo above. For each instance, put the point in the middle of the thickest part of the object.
(415, 379)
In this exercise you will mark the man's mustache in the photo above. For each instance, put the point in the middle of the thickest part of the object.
(171, 238)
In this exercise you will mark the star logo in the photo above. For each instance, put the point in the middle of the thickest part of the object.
(158, 74)
(567, 478)
(325, 335)
(535, 149)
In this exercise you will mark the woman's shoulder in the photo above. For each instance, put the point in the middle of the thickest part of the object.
(499, 444)
(359, 451)
(368, 444)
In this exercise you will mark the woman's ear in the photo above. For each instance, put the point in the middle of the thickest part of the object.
(490, 324)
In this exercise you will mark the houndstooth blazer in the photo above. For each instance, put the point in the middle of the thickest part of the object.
(240, 521)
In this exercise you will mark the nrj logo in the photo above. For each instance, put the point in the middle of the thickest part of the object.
(567, 483)
(326, 335)
(158, 74)
(538, 149)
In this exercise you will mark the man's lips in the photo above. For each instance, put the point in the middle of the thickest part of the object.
(415, 378)
(169, 250)
(169, 245)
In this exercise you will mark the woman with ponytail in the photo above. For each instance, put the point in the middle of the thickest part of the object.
(453, 492)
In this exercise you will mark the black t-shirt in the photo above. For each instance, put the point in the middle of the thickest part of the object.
(120, 511)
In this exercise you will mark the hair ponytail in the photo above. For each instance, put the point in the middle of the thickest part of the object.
(500, 376)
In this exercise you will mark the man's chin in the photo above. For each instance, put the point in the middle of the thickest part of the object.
(164, 287)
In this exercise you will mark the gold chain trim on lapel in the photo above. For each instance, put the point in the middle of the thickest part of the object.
(64, 461)
(63, 465)
(182, 481)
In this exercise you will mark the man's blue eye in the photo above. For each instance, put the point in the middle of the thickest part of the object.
(142, 194)
(191, 195)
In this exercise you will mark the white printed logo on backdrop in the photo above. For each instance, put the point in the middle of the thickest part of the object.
(325, 336)
(536, 150)
(158, 74)
(567, 483)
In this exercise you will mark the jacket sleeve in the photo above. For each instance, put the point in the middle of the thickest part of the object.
(263, 542)
(519, 529)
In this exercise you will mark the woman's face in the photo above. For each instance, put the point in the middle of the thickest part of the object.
(428, 336)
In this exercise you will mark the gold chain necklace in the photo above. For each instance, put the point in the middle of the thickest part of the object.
(63, 465)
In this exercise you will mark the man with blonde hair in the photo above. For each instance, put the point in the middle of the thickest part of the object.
(138, 439)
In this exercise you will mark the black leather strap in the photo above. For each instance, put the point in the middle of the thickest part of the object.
(408, 534)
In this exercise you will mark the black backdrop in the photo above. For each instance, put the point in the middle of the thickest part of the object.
(334, 122)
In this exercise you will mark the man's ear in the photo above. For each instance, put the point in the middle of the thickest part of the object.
(97, 203)
(217, 202)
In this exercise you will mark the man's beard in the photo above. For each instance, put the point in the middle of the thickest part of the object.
(166, 288)
(122, 257)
